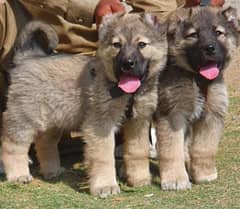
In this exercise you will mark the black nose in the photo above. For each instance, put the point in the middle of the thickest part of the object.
(210, 49)
(128, 64)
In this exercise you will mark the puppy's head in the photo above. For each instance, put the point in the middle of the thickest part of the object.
(133, 48)
(203, 40)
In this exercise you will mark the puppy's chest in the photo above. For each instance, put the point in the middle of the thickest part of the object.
(198, 107)
(143, 105)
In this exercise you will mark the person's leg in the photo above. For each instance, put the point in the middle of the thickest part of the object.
(156, 7)
(74, 37)
(8, 29)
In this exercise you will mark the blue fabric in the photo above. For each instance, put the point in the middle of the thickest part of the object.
(205, 2)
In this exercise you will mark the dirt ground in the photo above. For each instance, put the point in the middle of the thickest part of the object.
(232, 75)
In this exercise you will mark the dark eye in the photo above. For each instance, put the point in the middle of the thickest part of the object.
(141, 45)
(117, 45)
(219, 33)
(192, 35)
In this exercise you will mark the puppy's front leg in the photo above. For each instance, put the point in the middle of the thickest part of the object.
(136, 152)
(99, 155)
(206, 135)
(170, 146)
(203, 149)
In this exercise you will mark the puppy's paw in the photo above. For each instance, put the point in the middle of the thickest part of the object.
(205, 178)
(201, 173)
(105, 191)
(139, 182)
(20, 179)
(176, 185)
(138, 176)
(175, 180)
(53, 174)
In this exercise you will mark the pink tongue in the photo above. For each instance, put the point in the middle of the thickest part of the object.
(209, 72)
(129, 84)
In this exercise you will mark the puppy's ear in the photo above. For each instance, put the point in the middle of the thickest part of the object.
(108, 21)
(150, 19)
(230, 15)
(173, 24)
(154, 22)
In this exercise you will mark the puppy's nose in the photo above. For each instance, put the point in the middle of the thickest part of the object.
(129, 64)
(210, 49)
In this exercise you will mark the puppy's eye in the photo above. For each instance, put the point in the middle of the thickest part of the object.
(117, 45)
(192, 35)
(219, 33)
(141, 44)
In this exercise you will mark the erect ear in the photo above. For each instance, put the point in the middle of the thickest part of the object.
(177, 19)
(173, 24)
(150, 19)
(231, 16)
(153, 22)
(106, 23)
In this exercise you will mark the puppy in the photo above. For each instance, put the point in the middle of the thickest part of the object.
(97, 95)
(192, 95)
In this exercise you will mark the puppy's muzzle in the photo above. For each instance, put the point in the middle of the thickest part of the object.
(128, 65)
(132, 62)
(210, 49)
(131, 69)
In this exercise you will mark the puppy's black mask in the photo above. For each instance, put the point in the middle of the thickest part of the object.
(130, 61)
(208, 50)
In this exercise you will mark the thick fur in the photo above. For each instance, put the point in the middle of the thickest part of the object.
(49, 94)
(191, 110)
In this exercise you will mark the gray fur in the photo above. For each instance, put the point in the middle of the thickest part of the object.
(191, 110)
(49, 94)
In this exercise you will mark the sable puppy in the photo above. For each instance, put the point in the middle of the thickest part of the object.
(192, 95)
(117, 88)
